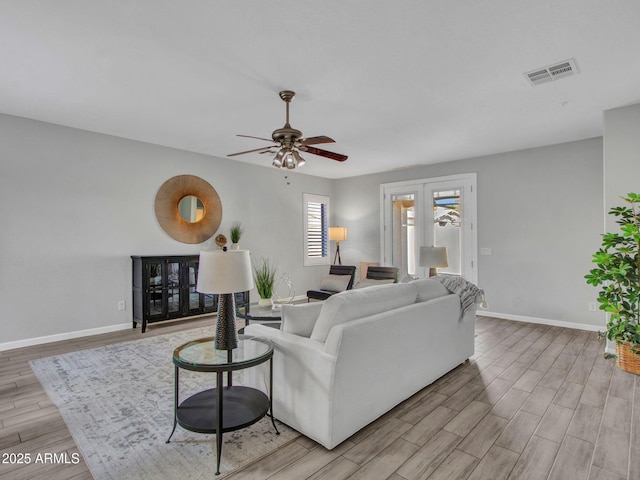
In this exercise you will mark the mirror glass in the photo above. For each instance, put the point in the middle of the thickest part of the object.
(191, 208)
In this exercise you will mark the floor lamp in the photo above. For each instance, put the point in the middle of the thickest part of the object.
(225, 274)
(337, 234)
(433, 258)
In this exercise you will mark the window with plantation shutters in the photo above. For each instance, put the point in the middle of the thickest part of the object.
(316, 229)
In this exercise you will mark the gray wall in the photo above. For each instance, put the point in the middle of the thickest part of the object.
(621, 163)
(75, 205)
(540, 210)
(621, 157)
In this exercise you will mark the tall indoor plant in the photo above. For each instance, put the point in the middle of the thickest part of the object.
(618, 275)
(264, 278)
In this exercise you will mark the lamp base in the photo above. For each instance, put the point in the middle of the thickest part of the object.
(433, 271)
(226, 333)
(337, 260)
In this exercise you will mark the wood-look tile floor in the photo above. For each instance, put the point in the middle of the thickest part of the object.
(535, 402)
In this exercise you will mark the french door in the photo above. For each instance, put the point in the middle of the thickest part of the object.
(430, 212)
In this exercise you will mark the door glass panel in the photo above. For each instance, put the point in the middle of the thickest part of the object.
(194, 296)
(446, 227)
(173, 287)
(403, 237)
(153, 272)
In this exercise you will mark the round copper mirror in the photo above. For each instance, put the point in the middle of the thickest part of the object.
(188, 209)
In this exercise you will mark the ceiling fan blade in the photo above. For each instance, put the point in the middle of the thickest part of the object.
(317, 140)
(325, 153)
(263, 149)
(257, 138)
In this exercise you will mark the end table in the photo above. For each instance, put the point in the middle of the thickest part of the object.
(224, 408)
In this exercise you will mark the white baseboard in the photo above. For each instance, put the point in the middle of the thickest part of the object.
(542, 321)
(610, 347)
(29, 342)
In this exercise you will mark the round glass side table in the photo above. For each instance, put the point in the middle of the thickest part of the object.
(224, 408)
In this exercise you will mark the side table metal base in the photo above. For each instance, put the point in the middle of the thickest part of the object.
(243, 406)
(223, 408)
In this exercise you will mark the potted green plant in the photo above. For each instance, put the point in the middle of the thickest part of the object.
(618, 275)
(236, 233)
(264, 278)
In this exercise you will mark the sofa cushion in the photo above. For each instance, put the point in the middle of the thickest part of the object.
(370, 282)
(352, 304)
(429, 288)
(335, 283)
(300, 319)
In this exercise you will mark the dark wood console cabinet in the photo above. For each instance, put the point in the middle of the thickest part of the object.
(164, 287)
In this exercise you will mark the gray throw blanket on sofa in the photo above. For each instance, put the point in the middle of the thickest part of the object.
(469, 293)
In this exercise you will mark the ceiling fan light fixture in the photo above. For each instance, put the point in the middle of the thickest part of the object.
(298, 158)
(277, 160)
(289, 161)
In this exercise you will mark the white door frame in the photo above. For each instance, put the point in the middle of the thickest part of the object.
(421, 189)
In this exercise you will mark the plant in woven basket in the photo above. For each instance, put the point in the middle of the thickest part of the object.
(264, 277)
(618, 275)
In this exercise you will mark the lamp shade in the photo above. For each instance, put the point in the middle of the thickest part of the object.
(337, 234)
(433, 257)
(224, 272)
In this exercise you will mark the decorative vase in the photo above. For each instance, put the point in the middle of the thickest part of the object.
(235, 246)
(628, 358)
(265, 302)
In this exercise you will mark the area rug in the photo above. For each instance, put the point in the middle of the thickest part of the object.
(118, 401)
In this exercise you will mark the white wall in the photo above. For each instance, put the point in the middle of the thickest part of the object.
(75, 205)
(540, 210)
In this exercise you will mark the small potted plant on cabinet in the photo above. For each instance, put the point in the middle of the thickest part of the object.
(236, 233)
(264, 278)
(618, 275)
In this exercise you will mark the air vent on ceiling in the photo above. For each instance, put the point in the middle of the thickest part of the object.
(552, 72)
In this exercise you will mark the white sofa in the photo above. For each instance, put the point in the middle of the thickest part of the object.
(340, 364)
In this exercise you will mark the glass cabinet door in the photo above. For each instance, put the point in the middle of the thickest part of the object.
(172, 288)
(154, 285)
(191, 281)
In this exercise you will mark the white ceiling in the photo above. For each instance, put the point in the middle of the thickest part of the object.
(395, 83)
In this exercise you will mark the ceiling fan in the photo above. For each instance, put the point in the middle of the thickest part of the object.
(290, 142)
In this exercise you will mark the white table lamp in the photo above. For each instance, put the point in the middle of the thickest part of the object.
(433, 257)
(225, 273)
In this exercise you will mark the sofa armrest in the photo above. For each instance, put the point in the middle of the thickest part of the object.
(300, 319)
(303, 376)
